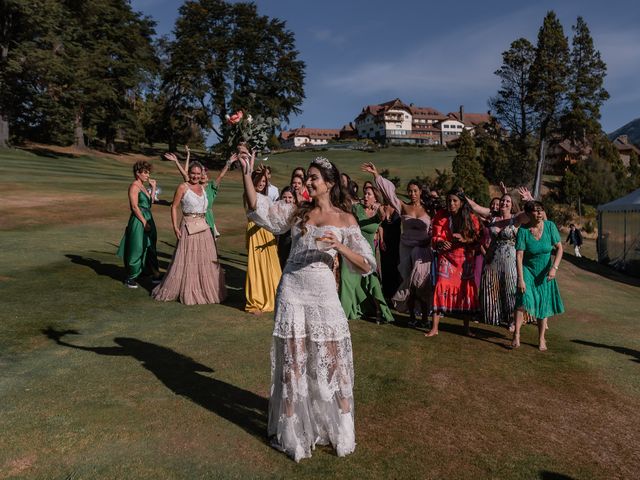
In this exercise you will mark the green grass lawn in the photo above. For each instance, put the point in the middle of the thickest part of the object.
(98, 381)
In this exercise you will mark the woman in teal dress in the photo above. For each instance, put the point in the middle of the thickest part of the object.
(361, 296)
(138, 245)
(538, 292)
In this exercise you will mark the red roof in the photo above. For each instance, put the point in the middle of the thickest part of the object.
(317, 133)
(470, 119)
(427, 112)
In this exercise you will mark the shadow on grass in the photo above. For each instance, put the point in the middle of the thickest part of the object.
(184, 376)
(602, 270)
(45, 152)
(234, 280)
(110, 270)
(623, 350)
(546, 475)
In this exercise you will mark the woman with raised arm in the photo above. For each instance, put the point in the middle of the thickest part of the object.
(311, 356)
(210, 188)
(194, 275)
(538, 292)
(362, 296)
(499, 279)
(263, 264)
(184, 170)
(415, 251)
(456, 232)
(211, 191)
(138, 245)
(389, 242)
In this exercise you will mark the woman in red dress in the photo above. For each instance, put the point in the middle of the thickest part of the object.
(456, 232)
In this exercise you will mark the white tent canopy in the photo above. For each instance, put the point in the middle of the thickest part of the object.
(619, 233)
(628, 203)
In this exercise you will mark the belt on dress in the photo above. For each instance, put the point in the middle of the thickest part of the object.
(193, 215)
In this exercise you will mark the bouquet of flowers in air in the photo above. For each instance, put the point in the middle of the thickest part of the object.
(255, 132)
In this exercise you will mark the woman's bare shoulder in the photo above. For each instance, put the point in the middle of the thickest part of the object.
(347, 219)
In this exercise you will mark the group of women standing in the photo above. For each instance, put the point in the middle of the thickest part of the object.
(312, 258)
(194, 275)
(469, 260)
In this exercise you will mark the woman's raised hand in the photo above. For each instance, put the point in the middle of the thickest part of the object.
(369, 168)
(504, 190)
(152, 182)
(253, 158)
(525, 194)
(232, 159)
(186, 149)
(171, 157)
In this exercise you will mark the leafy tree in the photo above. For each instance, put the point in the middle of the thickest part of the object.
(110, 55)
(587, 93)
(227, 57)
(29, 54)
(443, 181)
(548, 80)
(510, 106)
(601, 178)
(468, 171)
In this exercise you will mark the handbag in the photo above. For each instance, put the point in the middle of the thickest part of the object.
(196, 225)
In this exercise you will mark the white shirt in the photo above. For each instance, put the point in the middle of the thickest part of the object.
(273, 193)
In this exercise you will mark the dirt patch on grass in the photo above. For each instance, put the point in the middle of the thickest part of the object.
(73, 152)
(22, 208)
(18, 465)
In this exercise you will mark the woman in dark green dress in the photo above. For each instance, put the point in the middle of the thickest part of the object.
(138, 245)
(361, 296)
(538, 292)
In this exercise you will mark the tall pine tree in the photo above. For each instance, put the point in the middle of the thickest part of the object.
(510, 105)
(586, 92)
(548, 82)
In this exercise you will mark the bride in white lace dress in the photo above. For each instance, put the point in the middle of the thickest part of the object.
(311, 400)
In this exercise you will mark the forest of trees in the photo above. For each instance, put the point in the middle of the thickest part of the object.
(85, 72)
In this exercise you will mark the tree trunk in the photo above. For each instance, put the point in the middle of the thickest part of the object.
(110, 144)
(4, 132)
(78, 131)
(539, 168)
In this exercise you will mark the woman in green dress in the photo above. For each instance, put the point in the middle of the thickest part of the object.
(362, 295)
(138, 245)
(538, 292)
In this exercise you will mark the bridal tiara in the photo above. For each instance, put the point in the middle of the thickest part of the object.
(323, 162)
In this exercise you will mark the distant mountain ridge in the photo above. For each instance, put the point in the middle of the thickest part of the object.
(631, 130)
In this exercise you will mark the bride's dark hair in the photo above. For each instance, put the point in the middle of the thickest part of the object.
(337, 195)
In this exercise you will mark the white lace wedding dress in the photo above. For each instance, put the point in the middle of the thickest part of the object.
(312, 374)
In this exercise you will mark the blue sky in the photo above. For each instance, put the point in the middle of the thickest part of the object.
(439, 54)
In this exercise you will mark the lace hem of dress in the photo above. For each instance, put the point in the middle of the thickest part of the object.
(319, 323)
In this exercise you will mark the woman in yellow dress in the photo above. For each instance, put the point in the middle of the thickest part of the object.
(263, 265)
